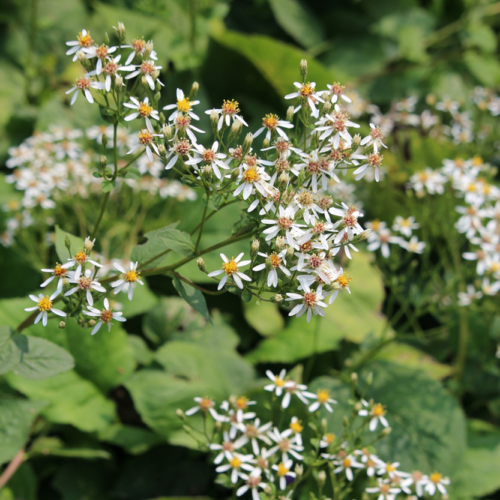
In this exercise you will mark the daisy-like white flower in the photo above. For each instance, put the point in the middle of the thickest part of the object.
(374, 138)
(490, 288)
(416, 478)
(381, 240)
(391, 469)
(110, 69)
(284, 469)
(348, 223)
(285, 444)
(373, 160)
(237, 461)
(180, 149)
(227, 447)
(184, 127)
(405, 226)
(384, 489)
(128, 280)
(81, 258)
(376, 414)
(183, 105)
(283, 223)
(83, 41)
(210, 157)
(203, 404)
(272, 123)
(105, 316)
(146, 139)
(311, 302)
(253, 482)
(413, 246)
(60, 272)
(230, 109)
(275, 262)
(308, 94)
(295, 427)
(372, 462)
(322, 398)
(291, 388)
(327, 440)
(466, 298)
(86, 283)
(278, 382)
(231, 269)
(252, 177)
(44, 305)
(148, 69)
(254, 431)
(102, 52)
(335, 125)
(436, 481)
(144, 110)
(84, 84)
(347, 464)
(337, 92)
(139, 46)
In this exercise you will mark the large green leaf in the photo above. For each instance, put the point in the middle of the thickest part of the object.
(151, 247)
(264, 317)
(76, 244)
(143, 301)
(135, 440)
(73, 400)
(193, 297)
(352, 317)
(16, 417)
(298, 22)
(106, 358)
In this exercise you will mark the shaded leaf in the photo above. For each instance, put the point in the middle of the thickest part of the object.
(135, 440)
(77, 244)
(193, 297)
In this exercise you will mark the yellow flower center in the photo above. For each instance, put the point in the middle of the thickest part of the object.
(147, 68)
(145, 136)
(102, 51)
(471, 187)
(270, 121)
(343, 280)
(376, 225)
(384, 488)
(282, 470)
(242, 403)
(322, 396)
(230, 268)
(330, 438)
(206, 403)
(106, 315)
(85, 40)
(276, 262)
(390, 467)
(477, 161)
(422, 176)
(59, 271)
(45, 304)
(279, 382)
(306, 90)
(230, 107)
(235, 463)
(251, 175)
(435, 477)
(144, 109)
(81, 257)
(131, 276)
(378, 410)
(184, 105)
(347, 463)
(139, 44)
(296, 426)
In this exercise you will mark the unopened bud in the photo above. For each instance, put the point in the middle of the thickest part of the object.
(290, 252)
(280, 242)
(207, 171)
(162, 150)
(104, 139)
(155, 74)
(299, 469)
(358, 407)
(194, 91)
(106, 39)
(180, 414)
(366, 234)
(247, 143)
(118, 82)
(354, 377)
(103, 161)
(88, 244)
(303, 69)
(327, 107)
(386, 431)
(277, 298)
(214, 117)
(324, 424)
(167, 132)
(144, 81)
(301, 178)
(321, 476)
(157, 96)
(266, 143)
(289, 114)
(345, 421)
(235, 131)
(254, 248)
(268, 490)
(82, 57)
(356, 140)
(217, 425)
(62, 325)
(284, 177)
(430, 99)
(201, 265)
(369, 379)
(92, 322)
(67, 243)
(162, 118)
(120, 31)
(148, 49)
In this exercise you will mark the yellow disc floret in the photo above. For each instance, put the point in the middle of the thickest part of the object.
(343, 280)
(230, 107)
(230, 268)
(282, 470)
(270, 121)
(184, 105)
(131, 276)
(378, 410)
(322, 395)
(435, 477)
(242, 403)
(144, 109)
(235, 463)
(85, 40)
(251, 175)
(296, 426)
(45, 304)
(307, 90)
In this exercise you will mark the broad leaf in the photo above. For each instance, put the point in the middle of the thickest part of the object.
(55, 447)
(264, 317)
(135, 440)
(193, 297)
(75, 242)
(152, 247)
(178, 241)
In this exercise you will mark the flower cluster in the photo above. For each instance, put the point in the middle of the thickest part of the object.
(253, 456)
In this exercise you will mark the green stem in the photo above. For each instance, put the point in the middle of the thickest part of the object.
(201, 227)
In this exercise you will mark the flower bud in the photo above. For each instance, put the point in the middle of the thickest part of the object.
(356, 140)
(290, 252)
(289, 114)
(148, 49)
(247, 143)
(180, 414)
(326, 107)
(201, 265)
(194, 91)
(277, 298)
(103, 161)
(324, 424)
(299, 470)
(82, 57)
(157, 96)
(369, 379)
(162, 150)
(162, 118)
(214, 120)
(430, 99)
(386, 431)
(92, 322)
(88, 244)
(144, 81)
(207, 171)
(266, 143)
(354, 377)
(167, 132)
(268, 490)
(254, 248)
(358, 407)
(280, 242)
(235, 131)
(118, 82)
(303, 69)
(284, 177)
(62, 325)
(366, 234)
(67, 243)
(321, 476)
(217, 425)
(120, 31)
(106, 39)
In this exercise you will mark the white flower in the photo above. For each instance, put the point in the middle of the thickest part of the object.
(285, 445)
(283, 223)
(236, 463)
(44, 305)
(308, 94)
(372, 462)
(86, 283)
(102, 52)
(231, 268)
(337, 91)
(391, 469)
(327, 440)
(349, 222)
(413, 246)
(278, 382)
(204, 404)
(384, 489)
(254, 481)
(284, 469)
(145, 138)
(373, 138)
(60, 272)
(376, 415)
(292, 387)
(183, 125)
(347, 464)
(227, 447)
(183, 105)
(466, 298)
(140, 45)
(180, 149)
(84, 84)
(128, 280)
(274, 261)
(436, 480)
(405, 226)
(322, 397)
(416, 478)
(254, 431)
(381, 240)
(144, 110)
(311, 302)
(490, 288)
(273, 123)
(81, 258)
(105, 316)
(83, 41)
(295, 428)
(146, 69)
(250, 178)
(209, 157)
(229, 110)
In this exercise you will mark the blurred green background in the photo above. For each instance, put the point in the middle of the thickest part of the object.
(104, 433)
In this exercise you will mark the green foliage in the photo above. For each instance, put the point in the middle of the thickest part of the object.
(76, 245)
(193, 297)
